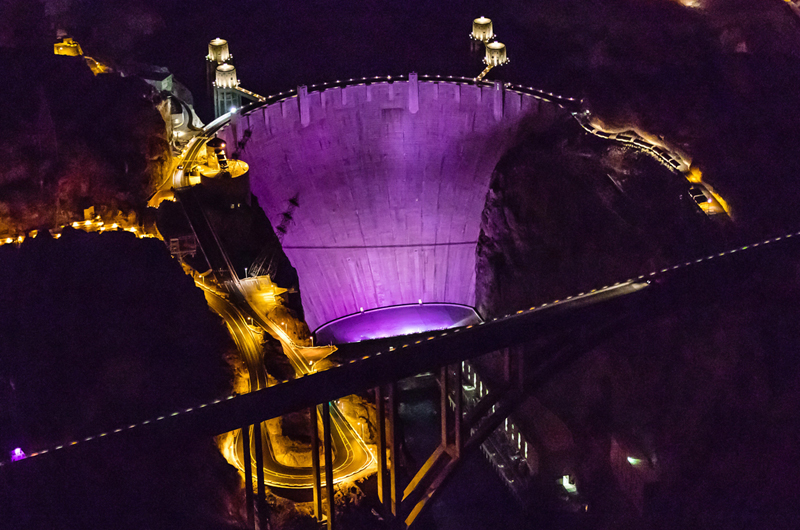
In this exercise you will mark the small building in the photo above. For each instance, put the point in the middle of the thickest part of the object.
(160, 80)
(67, 46)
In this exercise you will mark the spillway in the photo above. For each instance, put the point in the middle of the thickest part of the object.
(390, 179)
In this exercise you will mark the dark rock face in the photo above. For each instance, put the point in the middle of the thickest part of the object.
(100, 331)
(718, 81)
(567, 213)
(703, 394)
(71, 140)
(701, 388)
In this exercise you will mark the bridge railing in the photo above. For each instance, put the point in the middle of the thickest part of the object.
(655, 274)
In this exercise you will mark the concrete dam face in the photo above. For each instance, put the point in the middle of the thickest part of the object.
(390, 179)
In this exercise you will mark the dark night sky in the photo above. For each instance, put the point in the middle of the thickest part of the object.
(277, 46)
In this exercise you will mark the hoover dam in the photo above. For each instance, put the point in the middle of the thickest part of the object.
(389, 180)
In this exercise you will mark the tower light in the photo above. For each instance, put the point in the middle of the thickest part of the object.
(496, 53)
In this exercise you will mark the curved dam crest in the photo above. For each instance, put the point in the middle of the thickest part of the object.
(391, 180)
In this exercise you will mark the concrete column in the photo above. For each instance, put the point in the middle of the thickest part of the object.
(315, 470)
(328, 450)
(413, 93)
(497, 104)
(394, 476)
(380, 416)
(234, 124)
(459, 388)
(248, 477)
(443, 404)
(261, 496)
(302, 99)
(507, 365)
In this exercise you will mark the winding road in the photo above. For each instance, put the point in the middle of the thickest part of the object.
(350, 454)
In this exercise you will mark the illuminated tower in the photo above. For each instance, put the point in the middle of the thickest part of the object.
(496, 54)
(218, 54)
(226, 95)
(221, 77)
(222, 80)
(218, 51)
(482, 32)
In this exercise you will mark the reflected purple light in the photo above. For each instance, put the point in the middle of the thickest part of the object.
(17, 454)
(392, 179)
(395, 320)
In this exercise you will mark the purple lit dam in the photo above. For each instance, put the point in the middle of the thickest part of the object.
(394, 321)
(391, 180)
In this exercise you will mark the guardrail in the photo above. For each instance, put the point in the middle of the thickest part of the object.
(673, 161)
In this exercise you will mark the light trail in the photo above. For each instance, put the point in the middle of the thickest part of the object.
(351, 454)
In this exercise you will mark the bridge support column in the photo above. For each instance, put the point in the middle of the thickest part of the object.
(248, 477)
(413, 93)
(394, 478)
(457, 397)
(444, 408)
(380, 416)
(326, 444)
(513, 368)
(315, 464)
(261, 496)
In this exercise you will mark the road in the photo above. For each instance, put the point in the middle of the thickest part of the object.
(351, 455)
